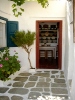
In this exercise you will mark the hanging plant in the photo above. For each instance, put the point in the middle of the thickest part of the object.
(18, 3)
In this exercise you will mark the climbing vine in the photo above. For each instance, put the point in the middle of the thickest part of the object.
(17, 9)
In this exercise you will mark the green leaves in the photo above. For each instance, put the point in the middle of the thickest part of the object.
(23, 38)
(22, 9)
(29, 38)
(16, 12)
(18, 39)
(14, 5)
(44, 3)
(10, 64)
(17, 3)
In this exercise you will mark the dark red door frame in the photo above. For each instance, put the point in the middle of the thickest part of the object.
(59, 42)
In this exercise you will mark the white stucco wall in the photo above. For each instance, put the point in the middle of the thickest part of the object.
(5, 8)
(70, 51)
(33, 12)
(55, 11)
(69, 45)
(66, 56)
(73, 79)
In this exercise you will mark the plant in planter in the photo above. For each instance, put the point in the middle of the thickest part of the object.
(8, 64)
(25, 40)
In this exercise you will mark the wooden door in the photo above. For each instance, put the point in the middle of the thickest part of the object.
(59, 42)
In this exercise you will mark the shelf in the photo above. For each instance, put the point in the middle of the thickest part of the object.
(48, 35)
(48, 30)
(48, 41)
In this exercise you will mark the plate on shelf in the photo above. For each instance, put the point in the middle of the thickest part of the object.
(41, 41)
(48, 37)
(49, 41)
(45, 26)
(42, 34)
(44, 37)
(54, 41)
(53, 37)
(44, 41)
(50, 34)
(46, 33)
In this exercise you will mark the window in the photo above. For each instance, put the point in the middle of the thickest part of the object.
(7, 29)
(2, 33)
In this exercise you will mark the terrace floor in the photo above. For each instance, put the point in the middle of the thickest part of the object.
(40, 85)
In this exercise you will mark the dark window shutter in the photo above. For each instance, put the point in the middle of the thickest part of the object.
(12, 26)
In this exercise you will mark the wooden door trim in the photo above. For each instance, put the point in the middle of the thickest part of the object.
(37, 44)
(59, 42)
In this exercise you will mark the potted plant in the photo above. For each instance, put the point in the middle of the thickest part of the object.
(25, 40)
(8, 64)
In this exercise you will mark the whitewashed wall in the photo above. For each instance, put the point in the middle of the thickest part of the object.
(69, 45)
(5, 8)
(70, 51)
(33, 12)
(73, 79)
(55, 11)
(66, 56)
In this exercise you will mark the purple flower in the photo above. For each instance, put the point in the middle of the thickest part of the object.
(14, 50)
(6, 58)
(1, 65)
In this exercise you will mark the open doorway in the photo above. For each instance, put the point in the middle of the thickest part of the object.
(49, 44)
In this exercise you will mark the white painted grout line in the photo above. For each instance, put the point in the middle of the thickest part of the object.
(42, 70)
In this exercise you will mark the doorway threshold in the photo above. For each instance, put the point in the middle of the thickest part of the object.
(47, 70)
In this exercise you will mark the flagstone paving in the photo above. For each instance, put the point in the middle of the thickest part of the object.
(32, 86)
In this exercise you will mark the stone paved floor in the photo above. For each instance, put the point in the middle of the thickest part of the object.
(41, 84)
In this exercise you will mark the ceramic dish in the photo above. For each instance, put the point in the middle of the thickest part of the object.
(48, 37)
(44, 41)
(53, 37)
(50, 34)
(42, 34)
(49, 41)
(44, 37)
(47, 33)
(41, 41)
(45, 26)
(54, 41)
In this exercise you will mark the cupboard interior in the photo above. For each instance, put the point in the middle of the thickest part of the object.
(48, 40)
